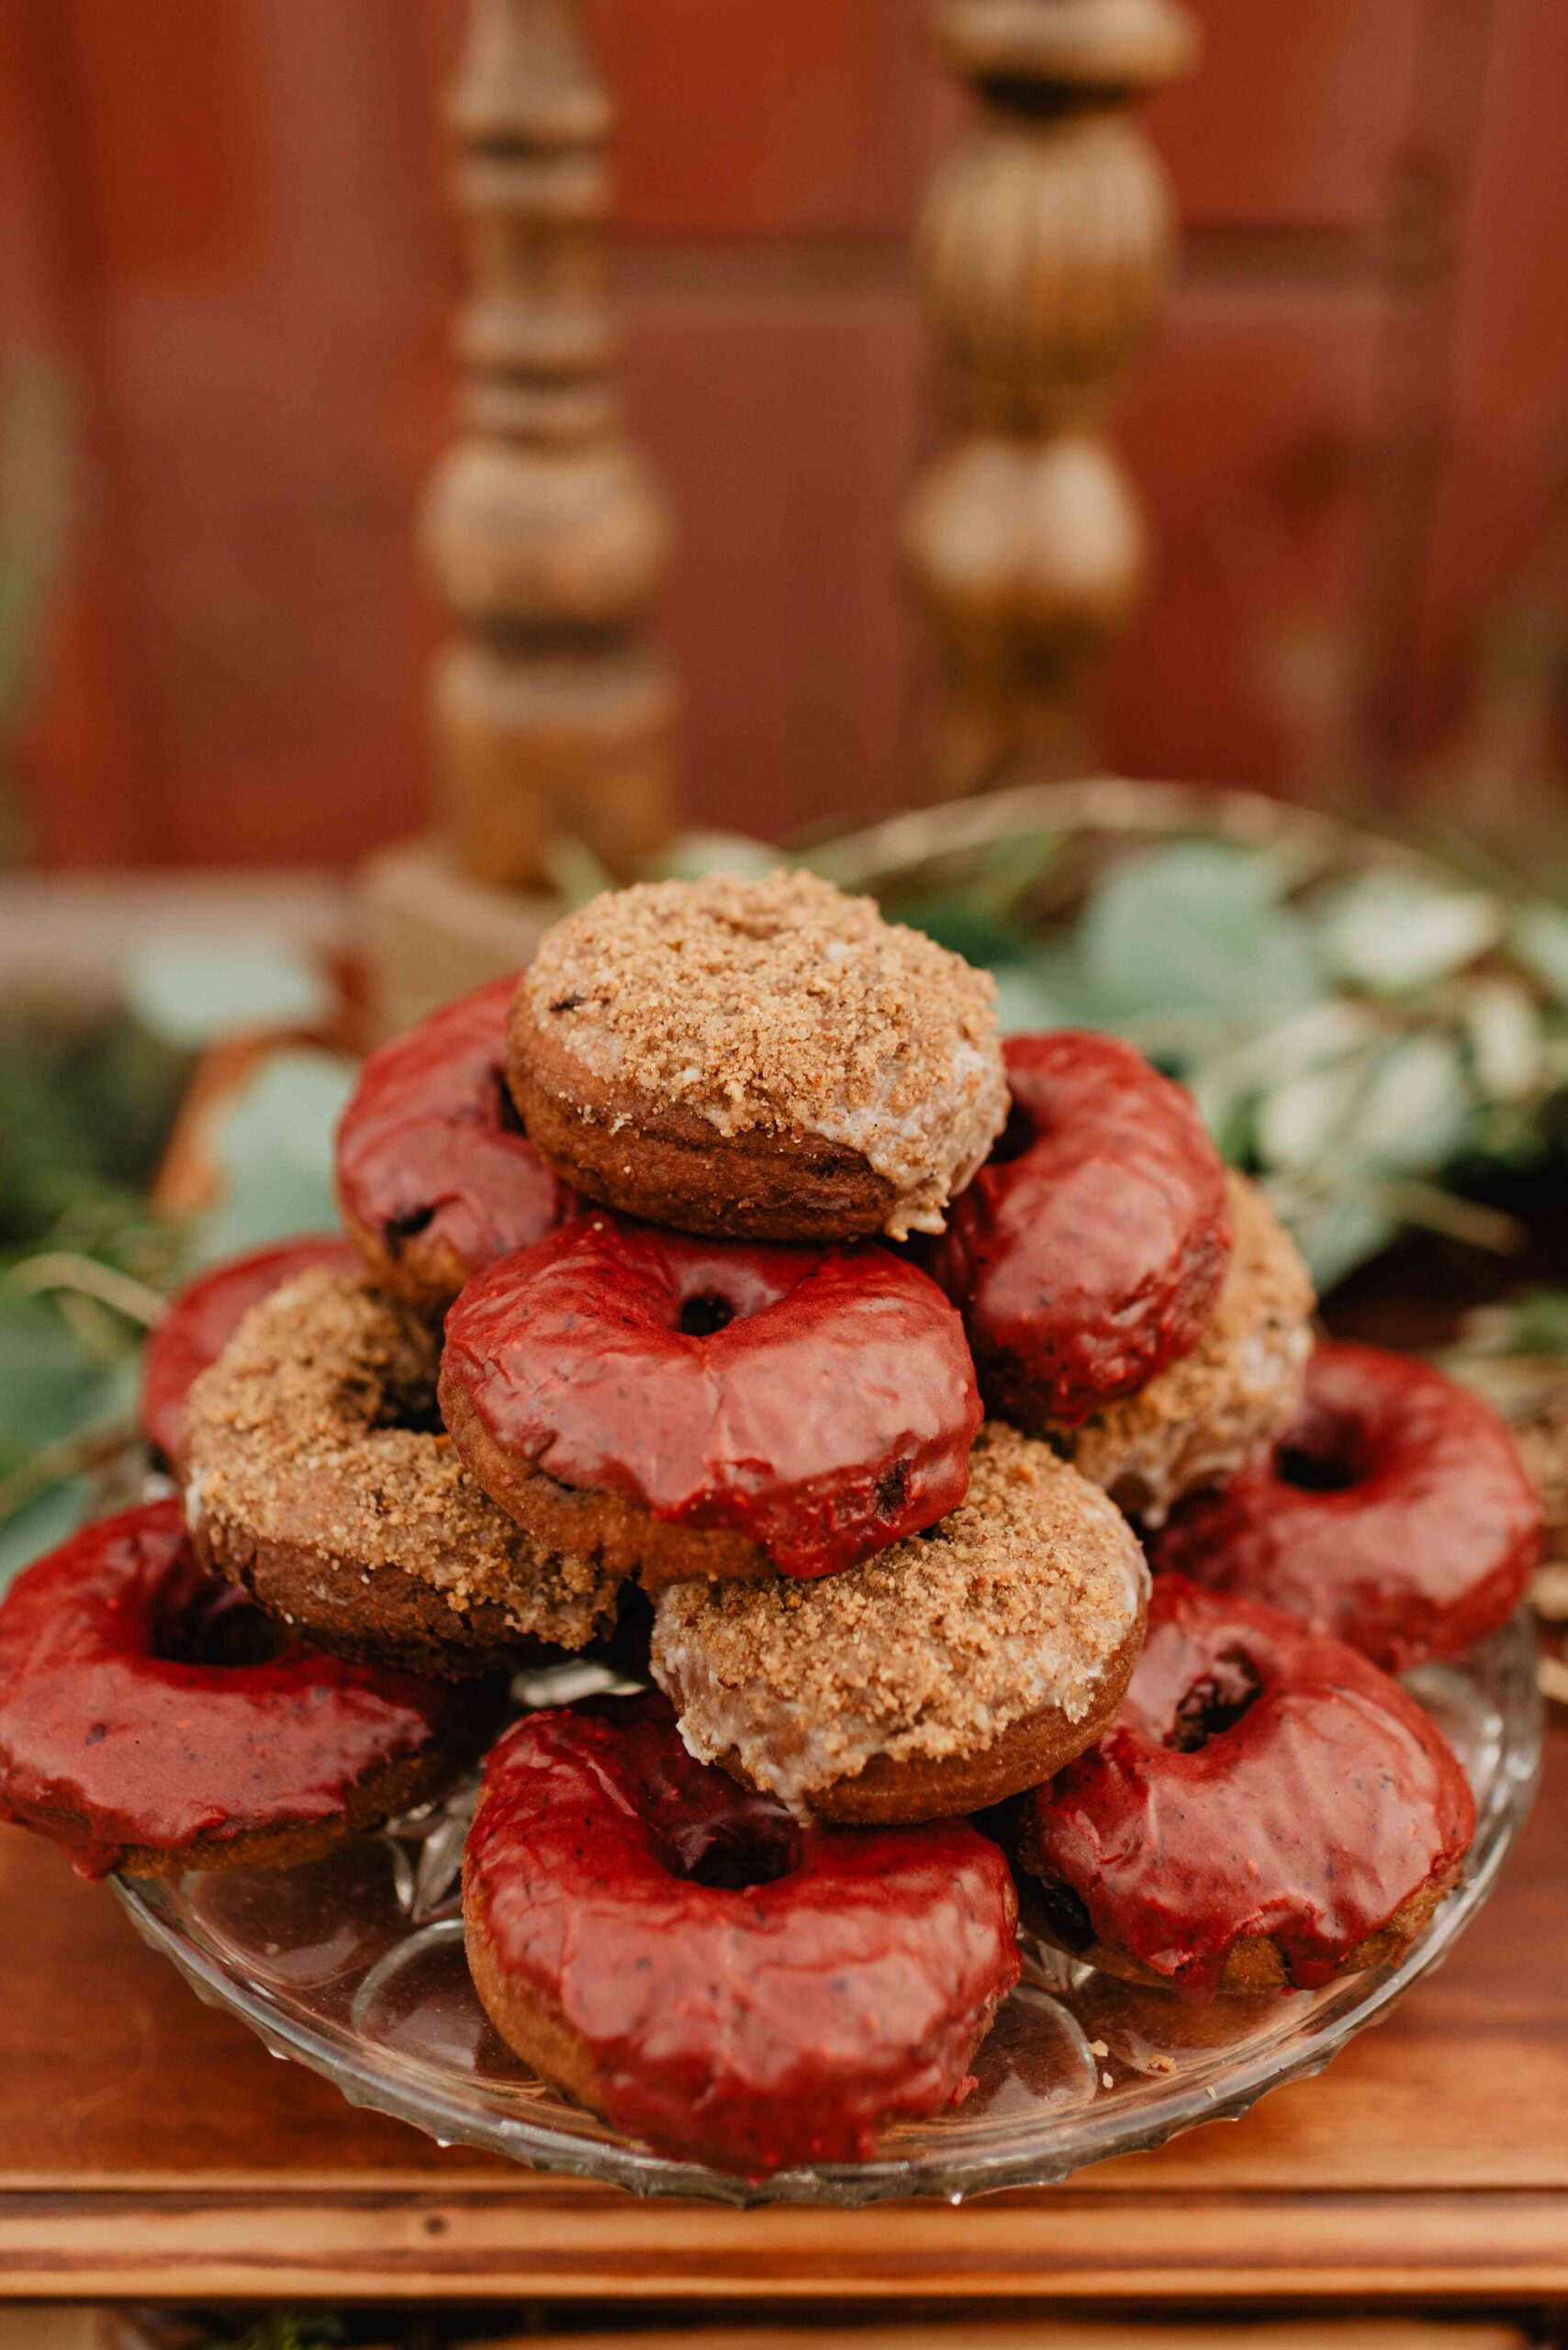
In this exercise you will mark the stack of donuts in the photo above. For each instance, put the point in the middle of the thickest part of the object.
(722, 1300)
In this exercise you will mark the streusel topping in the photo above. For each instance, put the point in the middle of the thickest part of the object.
(1017, 1601)
(782, 1004)
(1204, 1415)
(299, 1434)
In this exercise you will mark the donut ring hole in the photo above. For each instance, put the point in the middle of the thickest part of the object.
(508, 1117)
(221, 1628)
(732, 1854)
(1215, 1702)
(396, 1231)
(703, 1315)
(412, 1409)
(1023, 1130)
(705, 1828)
(1323, 1452)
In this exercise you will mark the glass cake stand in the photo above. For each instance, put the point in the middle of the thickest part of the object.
(353, 1965)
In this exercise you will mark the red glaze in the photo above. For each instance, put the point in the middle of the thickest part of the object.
(833, 1415)
(1394, 1513)
(106, 1744)
(1311, 1816)
(1090, 1250)
(203, 1318)
(754, 2026)
(431, 1144)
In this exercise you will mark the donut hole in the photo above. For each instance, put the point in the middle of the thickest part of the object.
(756, 1846)
(413, 1411)
(1020, 1134)
(1214, 1703)
(1322, 1453)
(221, 1626)
(703, 1315)
(508, 1117)
(1061, 1913)
(396, 1231)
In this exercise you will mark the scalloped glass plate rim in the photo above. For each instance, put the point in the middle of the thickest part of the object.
(1058, 2149)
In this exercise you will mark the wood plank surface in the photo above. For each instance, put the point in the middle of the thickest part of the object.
(149, 2148)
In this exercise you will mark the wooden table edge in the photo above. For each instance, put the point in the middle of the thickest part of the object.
(394, 2243)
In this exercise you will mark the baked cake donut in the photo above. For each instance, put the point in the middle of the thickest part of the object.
(677, 1407)
(723, 1981)
(137, 1731)
(1201, 1418)
(949, 1671)
(1090, 1249)
(318, 1476)
(762, 1060)
(203, 1317)
(1268, 1810)
(1394, 1513)
(435, 1175)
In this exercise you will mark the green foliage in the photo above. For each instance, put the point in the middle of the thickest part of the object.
(284, 2330)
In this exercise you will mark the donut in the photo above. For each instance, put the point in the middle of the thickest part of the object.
(677, 1407)
(141, 1729)
(316, 1475)
(436, 1177)
(716, 1978)
(1199, 1419)
(759, 1060)
(1394, 1513)
(1269, 1810)
(204, 1317)
(950, 1670)
(1090, 1249)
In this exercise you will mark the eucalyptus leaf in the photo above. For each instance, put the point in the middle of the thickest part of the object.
(188, 991)
(1195, 928)
(39, 1524)
(1299, 1123)
(1539, 939)
(1416, 1111)
(1389, 932)
(692, 854)
(1506, 1041)
(1335, 1236)
(49, 1385)
(274, 1148)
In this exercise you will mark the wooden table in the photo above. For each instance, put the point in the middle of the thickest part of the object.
(151, 2149)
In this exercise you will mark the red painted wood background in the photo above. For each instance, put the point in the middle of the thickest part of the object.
(224, 274)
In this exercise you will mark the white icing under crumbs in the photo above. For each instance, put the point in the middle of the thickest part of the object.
(1017, 1603)
(780, 1005)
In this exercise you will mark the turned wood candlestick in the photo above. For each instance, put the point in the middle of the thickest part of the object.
(1046, 250)
(546, 533)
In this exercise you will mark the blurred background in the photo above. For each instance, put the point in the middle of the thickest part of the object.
(227, 267)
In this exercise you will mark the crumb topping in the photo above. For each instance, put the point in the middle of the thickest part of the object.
(783, 1003)
(1238, 1388)
(316, 1427)
(1016, 1602)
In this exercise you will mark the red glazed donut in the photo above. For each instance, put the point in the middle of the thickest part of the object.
(1394, 1513)
(689, 1408)
(127, 1748)
(1266, 1809)
(727, 1983)
(1090, 1249)
(203, 1318)
(436, 1177)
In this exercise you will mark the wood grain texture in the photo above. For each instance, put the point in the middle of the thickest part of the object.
(149, 2148)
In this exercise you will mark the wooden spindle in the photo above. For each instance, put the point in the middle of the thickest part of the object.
(1046, 250)
(546, 533)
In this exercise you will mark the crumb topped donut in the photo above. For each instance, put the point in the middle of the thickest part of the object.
(1394, 1513)
(316, 1476)
(679, 1407)
(723, 1981)
(204, 1317)
(950, 1670)
(1209, 1412)
(435, 1175)
(1090, 1249)
(1268, 1809)
(762, 1060)
(142, 1728)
